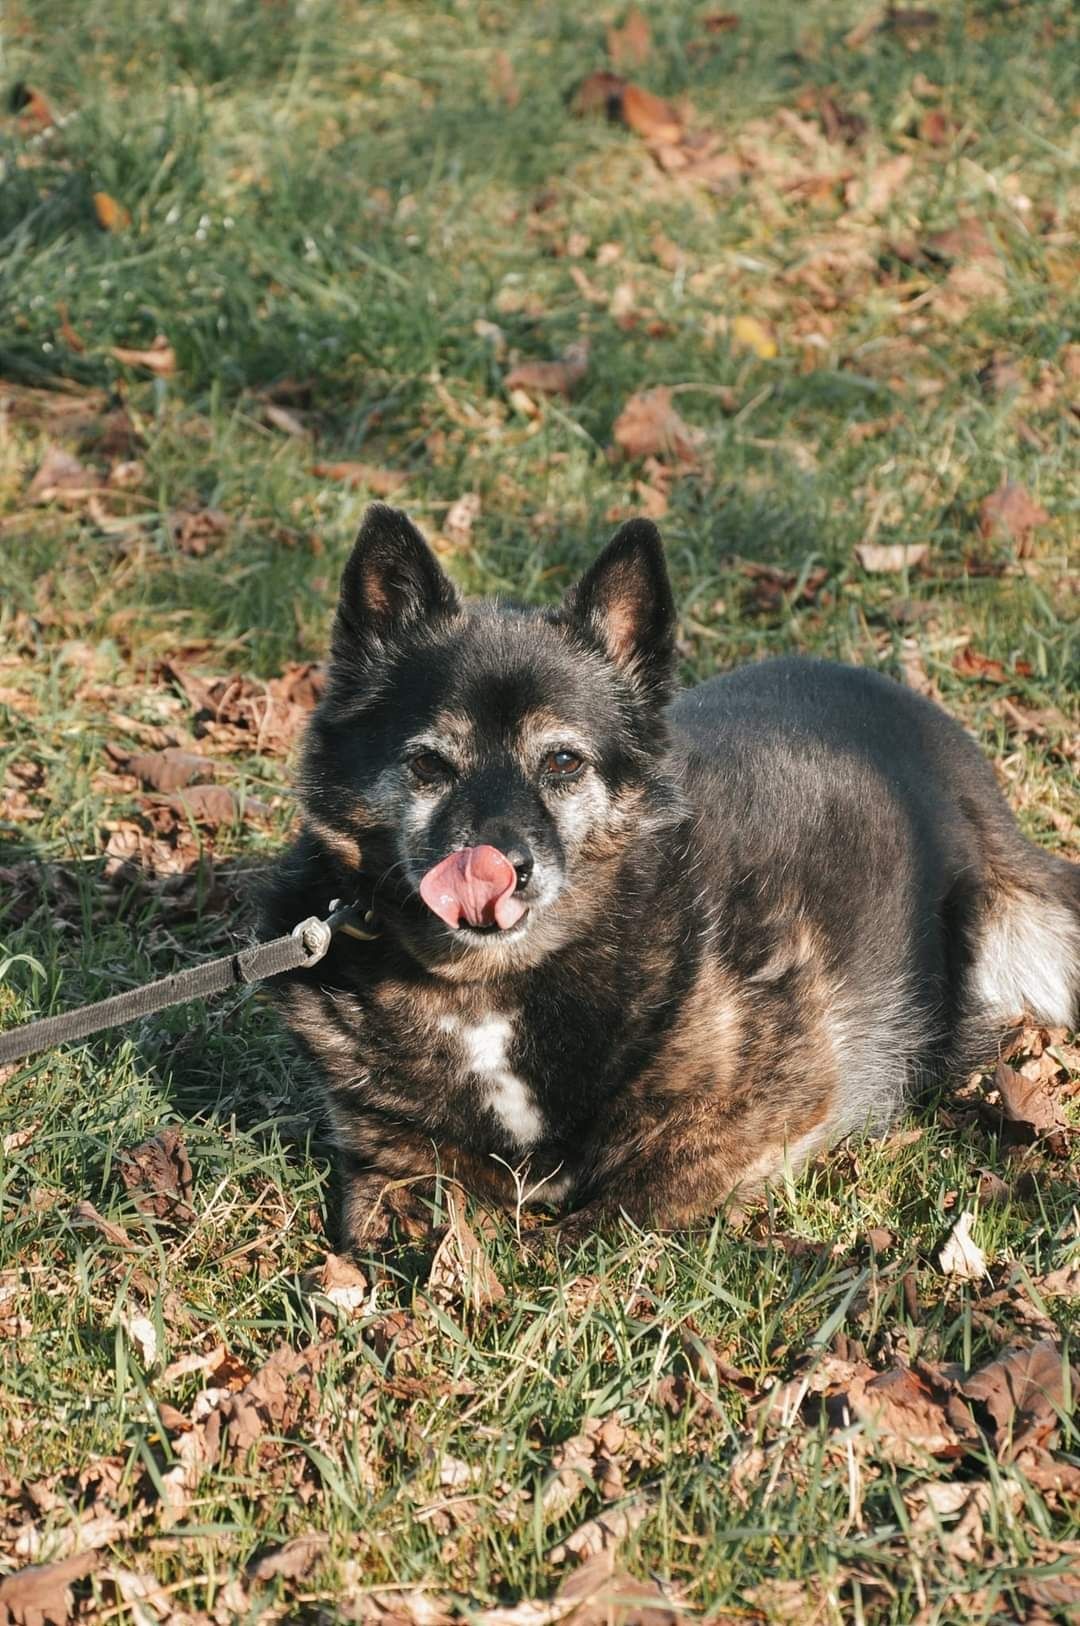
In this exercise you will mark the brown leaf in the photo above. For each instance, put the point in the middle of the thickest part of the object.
(33, 110)
(603, 1532)
(551, 377)
(905, 1417)
(86, 1217)
(649, 426)
(891, 557)
(111, 215)
(720, 22)
(876, 191)
(196, 530)
(1061, 1283)
(971, 663)
(292, 1561)
(208, 805)
(936, 127)
(280, 1393)
(1024, 1394)
(164, 770)
(159, 359)
(40, 1594)
(630, 45)
(650, 116)
(367, 476)
(157, 1174)
(338, 1280)
(600, 92)
(503, 80)
(1028, 1104)
(1011, 511)
(460, 1270)
(290, 423)
(61, 478)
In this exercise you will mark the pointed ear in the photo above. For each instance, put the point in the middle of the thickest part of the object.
(391, 579)
(624, 602)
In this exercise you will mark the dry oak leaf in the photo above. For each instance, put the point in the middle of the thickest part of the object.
(460, 1269)
(649, 426)
(40, 1594)
(604, 1531)
(84, 1216)
(903, 1416)
(208, 805)
(61, 478)
(650, 116)
(961, 1257)
(971, 663)
(630, 45)
(157, 1175)
(880, 558)
(1027, 1104)
(196, 530)
(111, 215)
(160, 358)
(367, 476)
(551, 377)
(874, 192)
(1024, 1394)
(595, 1596)
(292, 1561)
(1011, 511)
(165, 770)
(338, 1280)
(278, 1395)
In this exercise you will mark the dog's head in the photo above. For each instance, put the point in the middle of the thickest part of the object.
(488, 768)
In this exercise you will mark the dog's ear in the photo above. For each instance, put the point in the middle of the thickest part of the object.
(392, 578)
(624, 602)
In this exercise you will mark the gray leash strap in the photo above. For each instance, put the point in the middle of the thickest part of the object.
(304, 946)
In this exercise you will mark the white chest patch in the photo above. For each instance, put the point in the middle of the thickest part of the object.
(486, 1046)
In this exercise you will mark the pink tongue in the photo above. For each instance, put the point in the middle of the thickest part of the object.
(475, 886)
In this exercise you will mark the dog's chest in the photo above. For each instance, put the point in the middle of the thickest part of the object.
(485, 1054)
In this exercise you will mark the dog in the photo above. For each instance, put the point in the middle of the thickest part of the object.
(632, 951)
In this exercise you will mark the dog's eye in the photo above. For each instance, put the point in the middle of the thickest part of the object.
(563, 764)
(429, 767)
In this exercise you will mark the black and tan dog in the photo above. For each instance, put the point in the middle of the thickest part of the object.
(637, 953)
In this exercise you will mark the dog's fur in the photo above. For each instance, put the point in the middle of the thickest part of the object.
(761, 913)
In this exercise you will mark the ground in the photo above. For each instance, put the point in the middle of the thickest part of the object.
(258, 263)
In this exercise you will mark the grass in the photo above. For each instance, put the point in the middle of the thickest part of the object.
(325, 200)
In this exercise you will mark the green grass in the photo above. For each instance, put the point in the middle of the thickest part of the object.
(325, 200)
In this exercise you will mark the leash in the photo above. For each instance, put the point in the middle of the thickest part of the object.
(304, 946)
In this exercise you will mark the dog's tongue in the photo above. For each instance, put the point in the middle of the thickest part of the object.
(474, 886)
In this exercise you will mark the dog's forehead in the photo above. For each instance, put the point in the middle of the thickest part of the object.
(509, 676)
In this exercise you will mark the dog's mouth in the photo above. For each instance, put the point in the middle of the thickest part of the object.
(474, 890)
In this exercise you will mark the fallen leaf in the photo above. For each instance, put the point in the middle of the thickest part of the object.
(650, 116)
(292, 1561)
(936, 127)
(460, 1270)
(86, 1217)
(874, 192)
(34, 112)
(111, 215)
(630, 46)
(649, 426)
(208, 805)
(1028, 1104)
(196, 530)
(972, 663)
(366, 476)
(1011, 511)
(904, 1416)
(720, 22)
(747, 333)
(157, 1175)
(891, 557)
(277, 1396)
(603, 1532)
(1025, 1393)
(143, 1334)
(159, 359)
(60, 477)
(600, 92)
(461, 516)
(969, 239)
(339, 1280)
(503, 80)
(290, 423)
(961, 1256)
(40, 1594)
(551, 377)
(165, 770)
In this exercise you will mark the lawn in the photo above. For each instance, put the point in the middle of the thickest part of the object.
(260, 262)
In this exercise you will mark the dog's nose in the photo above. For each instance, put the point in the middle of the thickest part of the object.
(522, 860)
